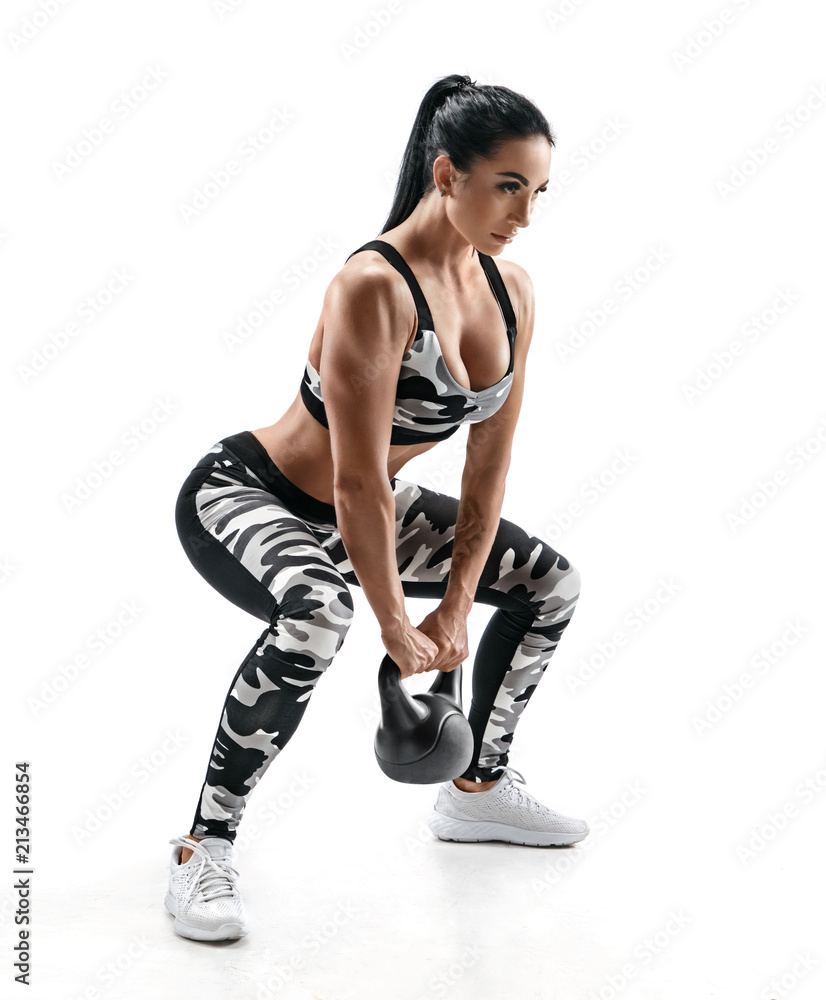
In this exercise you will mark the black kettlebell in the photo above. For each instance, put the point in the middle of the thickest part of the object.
(422, 738)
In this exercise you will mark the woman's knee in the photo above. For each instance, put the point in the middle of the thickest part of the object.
(572, 580)
(562, 583)
(528, 566)
(314, 615)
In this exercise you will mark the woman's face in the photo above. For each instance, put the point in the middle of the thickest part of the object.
(498, 196)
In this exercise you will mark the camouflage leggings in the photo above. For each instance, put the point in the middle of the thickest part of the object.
(275, 551)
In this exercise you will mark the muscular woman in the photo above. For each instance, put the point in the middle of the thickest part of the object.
(421, 331)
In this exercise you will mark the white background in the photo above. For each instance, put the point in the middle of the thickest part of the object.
(681, 130)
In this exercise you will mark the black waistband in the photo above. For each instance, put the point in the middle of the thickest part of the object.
(246, 446)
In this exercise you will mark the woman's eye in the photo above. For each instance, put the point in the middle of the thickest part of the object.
(513, 184)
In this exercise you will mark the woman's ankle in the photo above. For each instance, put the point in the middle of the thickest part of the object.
(186, 853)
(465, 785)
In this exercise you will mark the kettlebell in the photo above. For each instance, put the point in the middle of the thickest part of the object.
(422, 738)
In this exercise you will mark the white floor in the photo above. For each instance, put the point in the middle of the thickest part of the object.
(350, 896)
(370, 907)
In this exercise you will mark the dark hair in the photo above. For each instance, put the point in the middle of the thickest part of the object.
(465, 122)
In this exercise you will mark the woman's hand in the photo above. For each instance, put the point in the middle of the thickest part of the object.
(411, 650)
(447, 627)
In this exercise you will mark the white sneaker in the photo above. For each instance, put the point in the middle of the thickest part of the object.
(503, 812)
(203, 896)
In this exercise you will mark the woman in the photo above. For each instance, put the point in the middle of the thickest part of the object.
(410, 344)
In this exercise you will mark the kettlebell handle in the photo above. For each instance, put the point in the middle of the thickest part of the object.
(449, 685)
(396, 699)
(398, 707)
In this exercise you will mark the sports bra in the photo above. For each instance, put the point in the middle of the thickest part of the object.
(430, 404)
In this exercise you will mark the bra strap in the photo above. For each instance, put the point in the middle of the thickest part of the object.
(499, 290)
(392, 256)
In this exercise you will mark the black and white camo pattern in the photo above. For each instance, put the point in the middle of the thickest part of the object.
(428, 398)
(430, 404)
(298, 578)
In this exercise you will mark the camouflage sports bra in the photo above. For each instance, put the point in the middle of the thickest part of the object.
(430, 403)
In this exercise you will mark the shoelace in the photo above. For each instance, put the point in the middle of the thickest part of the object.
(216, 880)
(516, 794)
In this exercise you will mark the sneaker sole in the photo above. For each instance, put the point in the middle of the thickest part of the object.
(466, 831)
(226, 932)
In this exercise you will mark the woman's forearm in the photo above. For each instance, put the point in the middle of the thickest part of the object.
(366, 518)
(477, 521)
(365, 513)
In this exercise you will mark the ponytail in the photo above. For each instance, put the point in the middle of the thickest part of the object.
(465, 122)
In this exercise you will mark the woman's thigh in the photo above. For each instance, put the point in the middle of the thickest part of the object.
(257, 553)
(521, 570)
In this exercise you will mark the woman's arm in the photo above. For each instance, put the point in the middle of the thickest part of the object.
(487, 459)
(367, 326)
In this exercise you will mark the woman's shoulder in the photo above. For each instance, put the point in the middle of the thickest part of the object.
(363, 270)
(367, 281)
(513, 274)
(519, 287)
